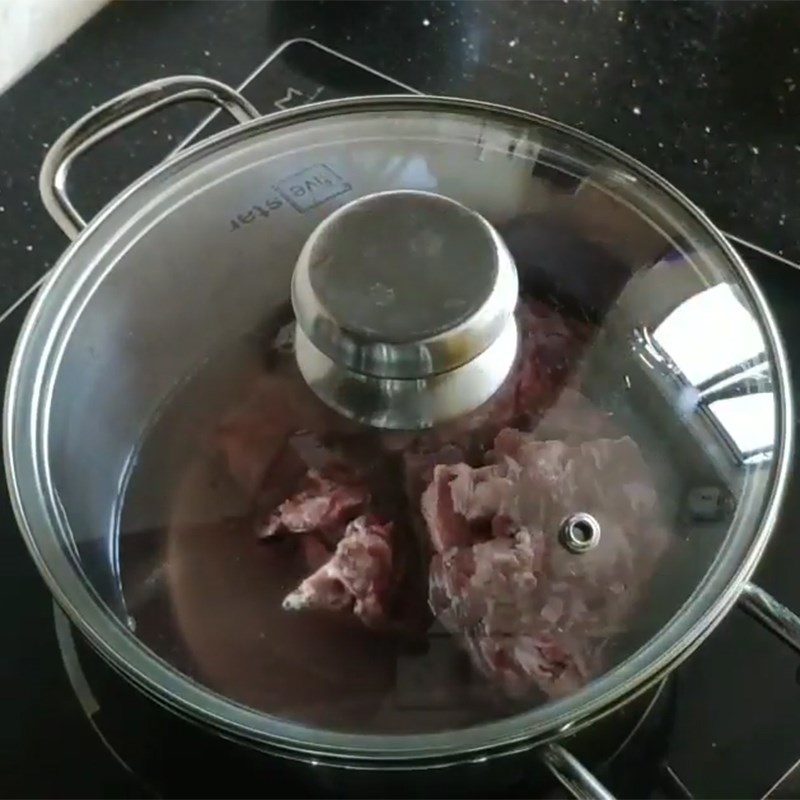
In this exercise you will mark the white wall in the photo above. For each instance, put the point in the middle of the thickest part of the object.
(30, 29)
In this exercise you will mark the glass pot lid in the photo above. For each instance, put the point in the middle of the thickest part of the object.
(443, 418)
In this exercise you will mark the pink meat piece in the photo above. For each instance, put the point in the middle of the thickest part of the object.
(418, 465)
(323, 505)
(460, 501)
(529, 612)
(358, 576)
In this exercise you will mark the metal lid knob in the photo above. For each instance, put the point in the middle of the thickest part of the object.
(396, 293)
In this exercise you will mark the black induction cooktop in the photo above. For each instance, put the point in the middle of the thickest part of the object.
(727, 725)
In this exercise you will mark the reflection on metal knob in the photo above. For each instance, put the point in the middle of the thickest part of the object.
(405, 309)
(579, 532)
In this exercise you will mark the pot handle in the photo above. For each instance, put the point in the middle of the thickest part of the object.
(572, 775)
(753, 600)
(774, 616)
(115, 114)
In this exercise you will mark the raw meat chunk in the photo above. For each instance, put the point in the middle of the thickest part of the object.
(358, 577)
(323, 505)
(418, 465)
(529, 612)
(460, 500)
(505, 571)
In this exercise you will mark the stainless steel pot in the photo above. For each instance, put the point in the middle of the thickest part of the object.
(195, 253)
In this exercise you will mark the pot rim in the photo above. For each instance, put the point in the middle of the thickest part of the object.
(45, 537)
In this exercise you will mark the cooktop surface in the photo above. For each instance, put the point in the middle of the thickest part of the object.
(728, 724)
